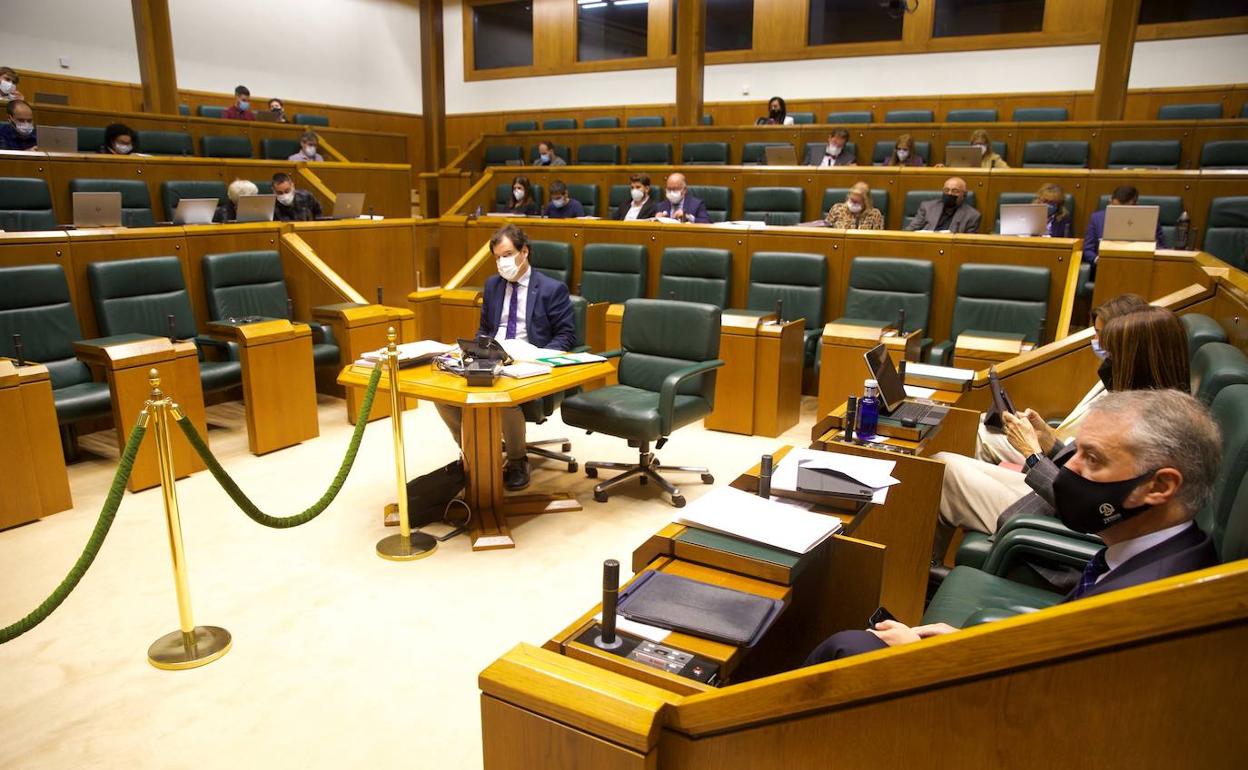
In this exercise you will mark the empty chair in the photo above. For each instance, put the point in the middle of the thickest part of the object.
(884, 149)
(613, 272)
(587, 194)
(802, 118)
(654, 152)
(165, 143)
(852, 116)
(1230, 153)
(539, 410)
(225, 146)
(1243, 110)
(278, 149)
(498, 155)
(708, 120)
(173, 191)
(1210, 111)
(25, 204)
(644, 121)
(704, 154)
(1040, 114)
(915, 198)
(521, 125)
(1013, 198)
(558, 124)
(880, 287)
(552, 259)
(305, 119)
(1055, 155)
(718, 200)
(184, 109)
(692, 274)
(1152, 153)
(136, 201)
(1226, 234)
(909, 116)
(604, 122)
(753, 153)
(598, 155)
(774, 205)
(834, 195)
(90, 138)
(1170, 208)
(561, 150)
(1216, 365)
(209, 111)
(1200, 330)
(800, 281)
(971, 116)
(997, 300)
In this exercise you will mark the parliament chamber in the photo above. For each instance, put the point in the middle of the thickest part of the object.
(946, 347)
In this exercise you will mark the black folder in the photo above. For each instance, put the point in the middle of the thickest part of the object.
(697, 608)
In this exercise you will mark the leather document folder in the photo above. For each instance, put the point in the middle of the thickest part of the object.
(697, 608)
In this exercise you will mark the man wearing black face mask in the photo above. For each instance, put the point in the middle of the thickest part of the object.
(950, 212)
(1145, 463)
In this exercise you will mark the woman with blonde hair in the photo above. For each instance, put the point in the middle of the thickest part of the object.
(989, 159)
(856, 212)
(1060, 224)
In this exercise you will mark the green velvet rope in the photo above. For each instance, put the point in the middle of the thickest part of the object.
(284, 522)
(102, 525)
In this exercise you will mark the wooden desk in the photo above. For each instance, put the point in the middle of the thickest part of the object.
(841, 367)
(481, 438)
(36, 483)
(733, 410)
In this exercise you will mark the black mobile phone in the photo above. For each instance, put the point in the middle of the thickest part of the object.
(879, 616)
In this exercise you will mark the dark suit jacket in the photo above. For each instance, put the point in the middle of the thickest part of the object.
(695, 209)
(548, 313)
(965, 217)
(647, 209)
(815, 157)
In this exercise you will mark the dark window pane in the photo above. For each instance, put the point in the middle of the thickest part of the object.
(502, 35)
(611, 29)
(1161, 11)
(987, 17)
(851, 21)
(729, 25)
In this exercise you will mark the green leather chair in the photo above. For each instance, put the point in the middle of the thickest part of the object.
(704, 154)
(90, 138)
(1216, 365)
(562, 150)
(1232, 153)
(305, 119)
(1211, 111)
(644, 121)
(184, 109)
(668, 356)
(225, 146)
(250, 283)
(173, 191)
(754, 153)
(909, 116)
(1243, 110)
(498, 155)
(136, 201)
(1170, 208)
(708, 120)
(718, 200)
(1226, 231)
(587, 194)
(520, 125)
(971, 116)
(278, 149)
(800, 280)
(1026, 197)
(997, 300)
(1201, 330)
(916, 198)
(834, 195)
(774, 205)
(883, 150)
(502, 194)
(208, 111)
(1000, 148)
(165, 143)
(1152, 153)
(558, 124)
(25, 204)
(852, 116)
(802, 118)
(598, 155)
(552, 259)
(1040, 115)
(613, 272)
(137, 296)
(602, 122)
(692, 274)
(618, 195)
(1055, 155)
(879, 288)
(650, 152)
(539, 410)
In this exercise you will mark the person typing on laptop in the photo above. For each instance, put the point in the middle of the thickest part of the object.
(293, 205)
(237, 189)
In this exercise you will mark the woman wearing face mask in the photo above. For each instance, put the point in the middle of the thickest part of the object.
(777, 114)
(562, 205)
(640, 205)
(8, 85)
(904, 154)
(1059, 222)
(546, 155)
(988, 158)
(278, 109)
(522, 202)
(856, 212)
(118, 140)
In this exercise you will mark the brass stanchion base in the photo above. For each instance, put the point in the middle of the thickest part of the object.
(417, 545)
(177, 651)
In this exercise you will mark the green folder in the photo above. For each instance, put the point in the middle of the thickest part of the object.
(747, 548)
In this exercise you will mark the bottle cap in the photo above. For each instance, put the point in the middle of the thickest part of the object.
(870, 384)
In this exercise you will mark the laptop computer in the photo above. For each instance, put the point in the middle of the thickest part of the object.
(97, 209)
(783, 155)
(268, 116)
(893, 401)
(963, 156)
(348, 205)
(58, 139)
(1024, 218)
(195, 211)
(1131, 223)
(255, 208)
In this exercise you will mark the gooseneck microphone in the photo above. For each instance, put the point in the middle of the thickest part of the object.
(290, 309)
(779, 311)
(764, 476)
(901, 320)
(608, 640)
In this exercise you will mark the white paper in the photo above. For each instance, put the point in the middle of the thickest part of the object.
(410, 351)
(653, 633)
(523, 370)
(914, 391)
(525, 351)
(741, 514)
(946, 372)
(867, 471)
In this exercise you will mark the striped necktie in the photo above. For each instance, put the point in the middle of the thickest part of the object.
(1097, 567)
(512, 314)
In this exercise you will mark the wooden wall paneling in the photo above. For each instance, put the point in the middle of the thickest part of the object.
(1144, 103)
(690, 58)
(220, 239)
(1117, 32)
(98, 94)
(87, 246)
(387, 187)
(1184, 131)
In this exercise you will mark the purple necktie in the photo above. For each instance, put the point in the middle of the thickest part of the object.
(511, 314)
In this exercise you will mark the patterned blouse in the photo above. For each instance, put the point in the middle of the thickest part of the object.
(840, 217)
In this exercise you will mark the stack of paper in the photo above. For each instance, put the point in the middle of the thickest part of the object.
(750, 517)
(410, 353)
(521, 350)
(522, 370)
(867, 471)
(940, 372)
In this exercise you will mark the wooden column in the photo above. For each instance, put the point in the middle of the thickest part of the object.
(432, 83)
(1114, 65)
(154, 42)
(690, 60)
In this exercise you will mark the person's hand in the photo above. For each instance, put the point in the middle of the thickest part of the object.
(933, 629)
(1020, 434)
(1044, 432)
(894, 633)
(679, 215)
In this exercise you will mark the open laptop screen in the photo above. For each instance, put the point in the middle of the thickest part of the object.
(892, 390)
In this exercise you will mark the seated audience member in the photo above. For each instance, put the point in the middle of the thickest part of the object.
(278, 109)
(950, 212)
(241, 108)
(904, 154)
(1145, 463)
(18, 132)
(1125, 195)
(835, 153)
(518, 304)
(640, 205)
(118, 140)
(777, 114)
(546, 155)
(1144, 348)
(856, 212)
(307, 149)
(293, 205)
(562, 205)
(680, 204)
(237, 189)
(1059, 221)
(989, 159)
(8, 84)
(522, 201)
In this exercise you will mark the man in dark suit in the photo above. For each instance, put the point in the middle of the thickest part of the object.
(948, 212)
(1145, 463)
(518, 304)
(835, 154)
(680, 205)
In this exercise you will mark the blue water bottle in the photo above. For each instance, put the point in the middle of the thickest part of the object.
(868, 410)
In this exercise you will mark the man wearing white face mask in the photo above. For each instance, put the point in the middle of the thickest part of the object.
(293, 205)
(307, 149)
(641, 205)
(18, 133)
(680, 204)
(836, 153)
(518, 304)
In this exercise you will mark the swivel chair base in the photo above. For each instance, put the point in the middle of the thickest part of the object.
(647, 469)
(538, 449)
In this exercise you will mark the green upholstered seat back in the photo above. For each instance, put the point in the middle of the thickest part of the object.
(802, 118)
(1013, 198)
(225, 146)
(754, 153)
(598, 154)
(883, 150)
(165, 143)
(552, 259)
(602, 122)
(1170, 208)
(1234, 543)
(650, 152)
(243, 283)
(90, 138)
(209, 111)
(834, 195)
(307, 119)
(613, 272)
(708, 120)
(815, 150)
(521, 125)
(1040, 114)
(1230, 412)
(644, 121)
(909, 116)
(136, 201)
(587, 194)
(561, 150)
(618, 195)
(25, 204)
(1065, 154)
(1201, 330)
(499, 154)
(502, 194)
(660, 337)
(175, 190)
(1145, 153)
(1226, 235)
(916, 198)
(879, 286)
(278, 149)
(579, 310)
(1001, 298)
(704, 154)
(852, 116)
(1215, 365)
(1230, 153)
(1000, 148)
(1211, 111)
(696, 275)
(136, 296)
(718, 200)
(775, 205)
(558, 124)
(263, 186)
(184, 109)
(34, 302)
(988, 115)
(798, 279)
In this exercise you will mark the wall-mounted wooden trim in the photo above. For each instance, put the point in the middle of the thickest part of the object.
(1232, 25)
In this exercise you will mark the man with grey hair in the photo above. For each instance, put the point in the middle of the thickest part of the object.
(307, 149)
(1145, 463)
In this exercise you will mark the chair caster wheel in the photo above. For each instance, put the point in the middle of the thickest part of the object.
(678, 501)
(600, 497)
(708, 478)
(567, 447)
(572, 467)
(591, 472)
(643, 480)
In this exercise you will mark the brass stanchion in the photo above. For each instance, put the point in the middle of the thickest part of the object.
(406, 545)
(191, 646)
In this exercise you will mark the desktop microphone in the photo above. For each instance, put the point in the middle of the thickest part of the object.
(901, 320)
(671, 295)
(173, 328)
(851, 416)
(380, 294)
(901, 371)
(290, 309)
(779, 311)
(764, 477)
(371, 216)
(608, 640)
(19, 350)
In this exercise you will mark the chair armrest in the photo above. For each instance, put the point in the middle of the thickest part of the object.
(613, 353)
(667, 392)
(1049, 524)
(940, 353)
(1014, 547)
(991, 615)
(322, 334)
(230, 349)
(580, 349)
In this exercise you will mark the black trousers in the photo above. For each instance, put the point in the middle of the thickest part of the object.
(844, 644)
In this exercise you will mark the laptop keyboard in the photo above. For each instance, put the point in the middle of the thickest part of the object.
(917, 412)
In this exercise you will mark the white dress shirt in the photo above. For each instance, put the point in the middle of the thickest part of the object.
(521, 287)
(634, 209)
(1119, 553)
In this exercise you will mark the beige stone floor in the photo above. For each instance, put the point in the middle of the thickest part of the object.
(340, 659)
